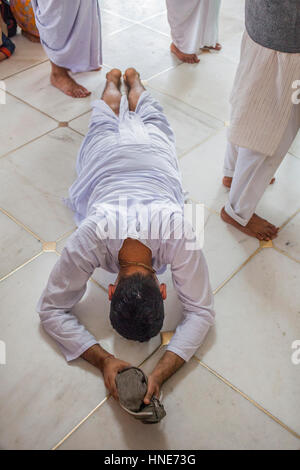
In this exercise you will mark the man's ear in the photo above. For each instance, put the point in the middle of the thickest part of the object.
(163, 291)
(111, 290)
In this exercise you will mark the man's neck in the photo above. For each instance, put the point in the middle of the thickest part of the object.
(135, 251)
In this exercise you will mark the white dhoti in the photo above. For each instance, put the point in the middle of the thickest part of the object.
(70, 32)
(252, 171)
(193, 23)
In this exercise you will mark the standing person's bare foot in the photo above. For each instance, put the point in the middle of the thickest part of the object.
(256, 227)
(61, 79)
(135, 87)
(227, 181)
(217, 47)
(188, 58)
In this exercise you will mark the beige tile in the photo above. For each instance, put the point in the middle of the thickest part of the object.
(21, 124)
(26, 55)
(295, 149)
(202, 171)
(34, 87)
(205, 86)
(225, 249)
(202, 413)
(288, 239)
(133, 9)
(112, 23)
(42, 397)
(17, 245)
(257, 320)
(81, 124)
(35, 178)
(282, 199)
(118, 54)
(159, 23)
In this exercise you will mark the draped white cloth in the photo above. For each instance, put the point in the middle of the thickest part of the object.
(131, 155)
(70, 31)
(193, 23)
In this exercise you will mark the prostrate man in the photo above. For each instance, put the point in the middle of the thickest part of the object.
(70, 31)
(194, 26)
(265, 116)
(129, 154)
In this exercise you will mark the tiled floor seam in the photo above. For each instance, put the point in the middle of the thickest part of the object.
(21, 266)
(244, 395)
(25, 227)
(24, 70)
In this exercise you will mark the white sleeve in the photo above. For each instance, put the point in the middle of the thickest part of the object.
(65, 287)
(191, 281)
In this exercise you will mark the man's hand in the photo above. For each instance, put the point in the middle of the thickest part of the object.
(108, 364)
(111, 366)
(166, 367)
(154, 385)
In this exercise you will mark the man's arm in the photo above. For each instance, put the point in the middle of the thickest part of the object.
(166, 367)
(108, 364)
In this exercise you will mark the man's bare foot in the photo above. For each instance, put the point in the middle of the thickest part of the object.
(227, 180)
(31, 37)
(135, 87)
(114, 75)
(188, 58)
(62, 80)
(217, 47)
(256, 227)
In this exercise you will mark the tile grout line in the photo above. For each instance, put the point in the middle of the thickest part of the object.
(24, 70)
(21, 266)
(289, 219)
(40, 239)
(258, 250)
(257, 405)
(100, 404)
(213, 134)
(284, 253)
(181, 101)
(27, 143)
(32, 106)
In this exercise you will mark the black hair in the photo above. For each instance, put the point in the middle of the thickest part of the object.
(137, 307)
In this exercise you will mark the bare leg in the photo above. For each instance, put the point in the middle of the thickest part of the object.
(31, 37)
(135, 87)
(61, 79)
(188, 58)
(112, 95)
(227, 180)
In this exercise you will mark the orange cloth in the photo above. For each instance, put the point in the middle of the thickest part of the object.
(23, 13)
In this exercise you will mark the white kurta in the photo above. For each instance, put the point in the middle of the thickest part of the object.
(131, 155)
(193, 23)
(70, 32)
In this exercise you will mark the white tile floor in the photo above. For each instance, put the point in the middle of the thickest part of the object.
(241, 390)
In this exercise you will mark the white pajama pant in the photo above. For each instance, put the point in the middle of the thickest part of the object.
(251, 172)
(193, 23)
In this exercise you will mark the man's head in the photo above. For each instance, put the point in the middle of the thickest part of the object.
(137, 308)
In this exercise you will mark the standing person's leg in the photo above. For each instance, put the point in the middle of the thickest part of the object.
(194, 25)
(70, 32)
(231, 155)
(111, 94)
(135, 87)
(252, 175)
